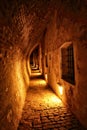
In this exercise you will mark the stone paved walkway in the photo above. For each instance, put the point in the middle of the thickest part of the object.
(43, 110)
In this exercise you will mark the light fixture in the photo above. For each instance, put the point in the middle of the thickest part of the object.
(60, 87)
(46, 77)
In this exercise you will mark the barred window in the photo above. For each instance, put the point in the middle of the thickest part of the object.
(68, 64)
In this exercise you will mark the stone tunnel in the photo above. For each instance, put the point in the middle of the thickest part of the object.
(52, 36)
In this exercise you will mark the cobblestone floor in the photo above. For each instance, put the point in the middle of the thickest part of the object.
(43, 110)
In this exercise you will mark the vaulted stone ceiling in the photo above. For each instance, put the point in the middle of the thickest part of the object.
(23, 22)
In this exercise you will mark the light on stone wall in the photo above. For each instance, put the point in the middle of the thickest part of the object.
(46, 77)
(60, 89)
(19, 78)
(38, 82)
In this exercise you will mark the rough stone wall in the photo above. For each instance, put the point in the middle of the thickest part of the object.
(14, 77)
(13, 83)
(21, 27)
(69, 24)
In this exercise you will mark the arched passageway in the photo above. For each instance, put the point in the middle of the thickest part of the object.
(56, 31)
(43, 110)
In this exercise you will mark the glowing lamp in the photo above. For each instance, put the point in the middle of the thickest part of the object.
(46, 77)
(60, 89)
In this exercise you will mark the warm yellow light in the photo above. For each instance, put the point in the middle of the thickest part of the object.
(55, 99)
(61, 90)
(21, 92)
(39, 82)
(36, 74)
(34, 67)
(45, 93)
(43, 82)
(46, 77)
(52, 100)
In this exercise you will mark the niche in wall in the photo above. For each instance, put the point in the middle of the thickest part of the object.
(46, 60)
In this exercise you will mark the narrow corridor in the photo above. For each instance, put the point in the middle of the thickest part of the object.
(43, 110)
